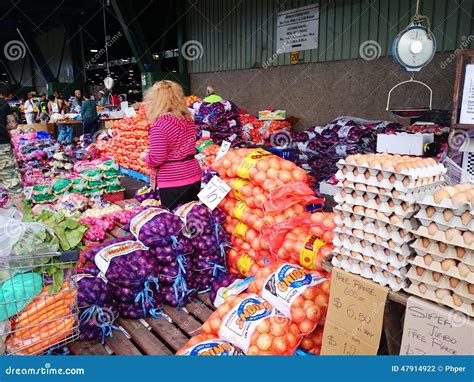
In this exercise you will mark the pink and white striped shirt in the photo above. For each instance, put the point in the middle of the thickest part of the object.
(173, 138)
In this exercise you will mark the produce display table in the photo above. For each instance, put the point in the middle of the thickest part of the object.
(393, 317)
(151, 336)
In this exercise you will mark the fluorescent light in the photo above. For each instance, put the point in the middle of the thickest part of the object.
(94, 50)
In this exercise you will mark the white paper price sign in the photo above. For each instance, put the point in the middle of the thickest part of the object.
(28, 191)
(225, 146)
(214, 192)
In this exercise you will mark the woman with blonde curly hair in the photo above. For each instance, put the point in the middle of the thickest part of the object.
(172, 145)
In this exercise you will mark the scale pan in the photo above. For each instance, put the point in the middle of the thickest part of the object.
(409, 112)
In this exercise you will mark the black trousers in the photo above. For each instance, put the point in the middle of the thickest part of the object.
(172, 197)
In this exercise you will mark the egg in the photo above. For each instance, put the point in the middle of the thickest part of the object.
(428, 259)
(422, 288)
(451, 233)
(430, 211)
(457, 300)
(367, 174)
(442, 247)
(448, 263)
(374, 163)
(395, 219)
(391, 203)
(433, 228)
(420, 271)
(442, 293)
(448, 215)
(392, 178)
(362, 160)
(359, 209)
(339, 257)
(459, 199)
(356, 171)
(440, 195)
(468, 237)
(470, 288)
(425, 242)
(366, 198)
(387, 164)
(464, 270)
(460, 252)
(379, 176)
(391, 244)
(372, 189)
(450, 190)
(453, 282)
(351, 159)
(382, 191)
(379, 240)
(395, 194)
(466, 218)
(436, 276)
(346, 183)
(406, 181)
(400, 167)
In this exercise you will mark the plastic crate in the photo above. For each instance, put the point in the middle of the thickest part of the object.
(134, 174)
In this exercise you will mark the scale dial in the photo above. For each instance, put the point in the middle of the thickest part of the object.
(414, 48)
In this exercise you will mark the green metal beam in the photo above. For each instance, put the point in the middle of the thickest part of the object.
(136, 39)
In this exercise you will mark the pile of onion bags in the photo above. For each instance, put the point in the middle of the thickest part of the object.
(155, 226)
(253, 325)
(131, 271)
(297, 293)
(320, 148)
(220, 119)
(208, 344)
(97, 311)
(209, 240)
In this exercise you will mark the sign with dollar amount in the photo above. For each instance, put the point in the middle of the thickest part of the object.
(213, 193)
(355, 315)
(430, 329)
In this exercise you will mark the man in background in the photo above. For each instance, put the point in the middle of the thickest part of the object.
(76, 102)
(29, 108)
(43, 109)
(89, 116)
(9, 178)
(211, 95)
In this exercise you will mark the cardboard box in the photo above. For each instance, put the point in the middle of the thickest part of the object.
(403, 144)
(47, 127)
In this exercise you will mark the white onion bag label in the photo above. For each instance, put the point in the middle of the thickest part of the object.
(236, 288)
(284, 286)
(142, 218)
(242, 320)
(103, 258)
(215, 347)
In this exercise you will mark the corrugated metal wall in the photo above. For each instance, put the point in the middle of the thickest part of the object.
(240, 34)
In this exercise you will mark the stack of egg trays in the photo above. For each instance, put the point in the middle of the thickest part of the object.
(443, 268)
(374, 218)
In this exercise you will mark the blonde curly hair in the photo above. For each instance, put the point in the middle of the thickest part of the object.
(165, 97)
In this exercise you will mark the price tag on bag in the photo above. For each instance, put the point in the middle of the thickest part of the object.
(225, 146)
(214, 192)
(28, 192)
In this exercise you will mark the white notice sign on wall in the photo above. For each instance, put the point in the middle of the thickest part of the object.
(297, 29)
(467, 105)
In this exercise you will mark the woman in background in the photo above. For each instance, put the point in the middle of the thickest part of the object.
(172, 145)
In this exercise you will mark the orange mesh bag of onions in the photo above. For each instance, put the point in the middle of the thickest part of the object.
(280, 182)
(254, 325)
(312, 341)
(242, 262)
(297, 293)
(257, 218)
(293, 241)
(208, 344)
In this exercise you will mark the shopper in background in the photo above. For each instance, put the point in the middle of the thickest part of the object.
(104, 98)
(172, 145)
(211, 95)
(76, 102)
(56, 104)
(29, 108)
(89, 116)
(43, 109)
(9, 178)
(115, 100)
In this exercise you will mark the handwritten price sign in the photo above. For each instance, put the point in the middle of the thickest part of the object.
(355, 315)
(214, 192)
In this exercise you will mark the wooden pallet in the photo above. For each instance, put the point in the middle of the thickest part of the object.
(151, 336)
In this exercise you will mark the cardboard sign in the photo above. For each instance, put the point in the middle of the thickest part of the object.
(225, 146)
(431, 329)
(355, 315)
(214, 192)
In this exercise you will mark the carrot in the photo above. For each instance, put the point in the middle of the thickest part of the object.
(51, 318)
(36, 308)
(38, 316)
